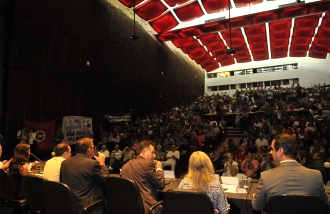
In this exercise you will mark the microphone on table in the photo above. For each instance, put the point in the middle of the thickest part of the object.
(36, 158)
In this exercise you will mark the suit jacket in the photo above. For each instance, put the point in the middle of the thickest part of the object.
(115, 165)
(142, 172)
(288, 178)
(86, 177)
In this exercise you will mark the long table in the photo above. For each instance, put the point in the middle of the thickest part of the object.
(239, 202)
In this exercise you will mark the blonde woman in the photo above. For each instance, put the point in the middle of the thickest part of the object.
(201, 177)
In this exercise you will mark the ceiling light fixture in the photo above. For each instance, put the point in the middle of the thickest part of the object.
(230, 50)
(134, 37)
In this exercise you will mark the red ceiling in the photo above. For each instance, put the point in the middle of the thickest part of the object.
(207, 43)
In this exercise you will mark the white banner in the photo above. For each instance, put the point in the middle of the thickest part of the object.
(73, 126)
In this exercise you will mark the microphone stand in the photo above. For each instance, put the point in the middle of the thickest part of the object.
(36, 158)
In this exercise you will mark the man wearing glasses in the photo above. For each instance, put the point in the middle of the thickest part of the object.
(84, 175)
(147, 174)
(289, 177)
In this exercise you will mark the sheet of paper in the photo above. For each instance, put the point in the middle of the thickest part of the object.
(241, 190)
(169, 174)
(229, 188)
(230, 180)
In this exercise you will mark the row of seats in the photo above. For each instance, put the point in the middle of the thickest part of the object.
(123, 196)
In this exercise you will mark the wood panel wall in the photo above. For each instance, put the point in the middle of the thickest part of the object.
(48, 77)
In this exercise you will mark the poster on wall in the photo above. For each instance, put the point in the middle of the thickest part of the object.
(118, 119)
(42, 134)
(73, 128)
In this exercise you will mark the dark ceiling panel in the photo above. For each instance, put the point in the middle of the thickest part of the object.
(216, 46)
(318, 55)
(279, 25)
(257, 38)
(298, 53)
(255, 29)
(299, 48)
(169, 36)
(197, 53)
(151, 10)
(319, 48)
(192, 31)
(260, 57)
(189, 12)
(172, 3)
(301, 40)
(293, 12)
(279, 34)
(279, 49)
(268, 16)
(164, 23)
(212, 27)
(227, 63)
(323, 41)
(212, 68)
(279, 55)
(235, 33)
(260, 52)
(214, 6)
(208, 63)
(219, 53)
(259, 45)
(191, 47)
(243, 60)
(303, 32)
(203, 58)
(224, 58)
(209, 38)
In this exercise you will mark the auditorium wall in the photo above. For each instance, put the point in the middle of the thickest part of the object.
(309, 72)
(76, 58)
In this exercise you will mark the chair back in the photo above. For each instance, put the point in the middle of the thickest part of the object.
(178, 201)
(59, 198)
(292, 204)
(123, 196)
(8, 187)
(33, 191)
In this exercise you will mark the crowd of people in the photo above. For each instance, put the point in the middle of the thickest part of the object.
(156, 141)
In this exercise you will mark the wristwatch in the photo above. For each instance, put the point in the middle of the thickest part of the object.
(159, 169)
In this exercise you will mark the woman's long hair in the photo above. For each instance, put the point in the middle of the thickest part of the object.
(20, 157)
(200, 171)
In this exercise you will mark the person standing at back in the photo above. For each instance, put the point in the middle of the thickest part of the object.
(289, 177)
(85, 176)
(147, 174)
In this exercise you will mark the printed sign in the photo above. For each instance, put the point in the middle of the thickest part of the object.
(72, 128)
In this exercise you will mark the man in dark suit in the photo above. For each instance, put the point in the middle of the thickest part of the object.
(113, 164)
(245, 139)
(289, 177)
(85, 176)
(147, 174)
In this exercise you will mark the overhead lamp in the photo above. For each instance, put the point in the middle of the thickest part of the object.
(134, 36)
(230, 50)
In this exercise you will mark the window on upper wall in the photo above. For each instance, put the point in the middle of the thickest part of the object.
(243, 85)
(286, 82)
(296, 81)
(267, 83)
(255, 84)
(214, 88)
(223, 87)
(232, 86)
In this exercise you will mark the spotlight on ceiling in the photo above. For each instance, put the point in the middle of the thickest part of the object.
(230, 51)
(134, 37)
